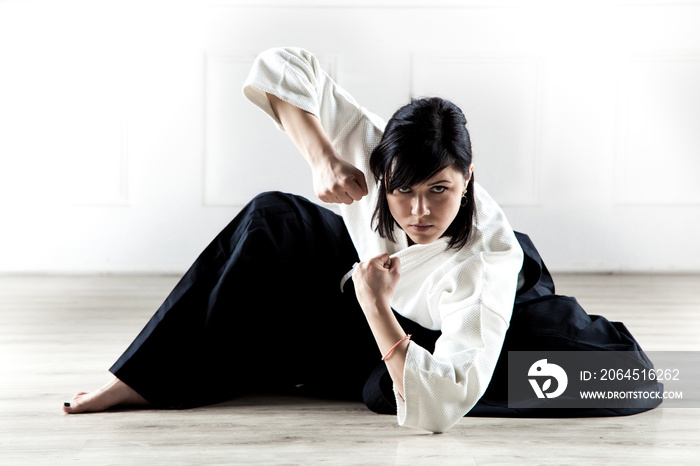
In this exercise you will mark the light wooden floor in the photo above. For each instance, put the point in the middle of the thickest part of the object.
(59, 335)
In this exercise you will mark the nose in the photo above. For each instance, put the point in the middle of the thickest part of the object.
(419, 206)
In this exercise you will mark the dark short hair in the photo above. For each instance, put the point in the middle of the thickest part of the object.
(421, 139)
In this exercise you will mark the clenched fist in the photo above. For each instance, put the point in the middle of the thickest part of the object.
(376, 280)
(338, 182)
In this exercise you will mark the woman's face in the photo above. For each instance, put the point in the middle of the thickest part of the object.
(426, 210)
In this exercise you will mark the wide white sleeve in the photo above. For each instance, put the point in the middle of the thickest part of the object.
(475, 305)
(295, 76)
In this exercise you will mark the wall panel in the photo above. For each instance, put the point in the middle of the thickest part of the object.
(64, 139)
(502, 102)
(659, 130)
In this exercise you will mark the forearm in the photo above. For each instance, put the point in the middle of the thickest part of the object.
(335, 180)
(387, 331)
(304, 129)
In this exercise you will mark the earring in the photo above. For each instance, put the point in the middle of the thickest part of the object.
(463, 202)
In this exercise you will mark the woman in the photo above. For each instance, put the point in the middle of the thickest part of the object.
(440, 270)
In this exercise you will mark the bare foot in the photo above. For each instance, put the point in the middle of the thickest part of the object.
(113, 393)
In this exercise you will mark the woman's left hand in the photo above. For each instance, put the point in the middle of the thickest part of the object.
(376, 280)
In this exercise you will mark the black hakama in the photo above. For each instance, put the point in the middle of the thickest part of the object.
(261, 310)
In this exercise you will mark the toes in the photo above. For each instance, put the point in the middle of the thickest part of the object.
(72, 405)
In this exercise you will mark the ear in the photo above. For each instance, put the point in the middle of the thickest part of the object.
(471, 172)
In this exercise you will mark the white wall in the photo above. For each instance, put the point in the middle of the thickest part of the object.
(125, 142)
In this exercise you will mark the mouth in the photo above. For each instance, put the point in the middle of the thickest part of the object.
(420, 227)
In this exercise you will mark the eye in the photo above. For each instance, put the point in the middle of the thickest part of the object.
(404, 190)
(439, 189)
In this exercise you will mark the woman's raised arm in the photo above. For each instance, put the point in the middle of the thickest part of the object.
(335, 180)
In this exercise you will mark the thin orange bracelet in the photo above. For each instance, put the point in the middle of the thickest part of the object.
(388, 353)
